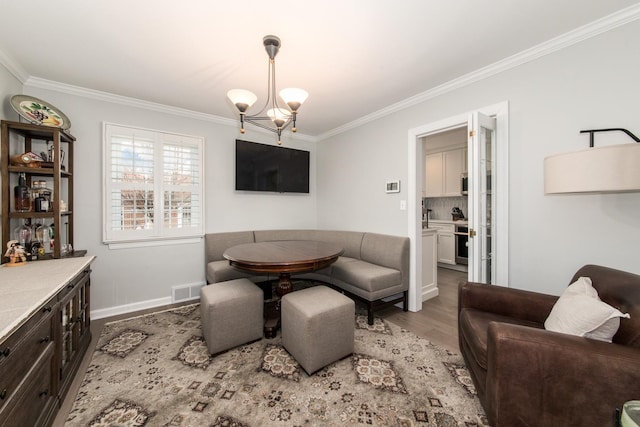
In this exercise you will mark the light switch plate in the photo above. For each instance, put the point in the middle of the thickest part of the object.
(403, 205)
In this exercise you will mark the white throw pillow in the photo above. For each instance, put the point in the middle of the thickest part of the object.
(579, 311)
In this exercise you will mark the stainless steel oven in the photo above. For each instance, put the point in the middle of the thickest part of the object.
(461, 236)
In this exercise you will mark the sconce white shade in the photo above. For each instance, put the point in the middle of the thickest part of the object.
(294, 97)
(242, 99)
(614, 168)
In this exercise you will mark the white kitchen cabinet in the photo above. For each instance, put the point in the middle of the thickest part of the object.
(433, 175)
(442, 173)
(452, 161)
(446, 248)
(429, 264)
(446, 242)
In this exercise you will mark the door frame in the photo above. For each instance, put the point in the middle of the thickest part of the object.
(415, 184)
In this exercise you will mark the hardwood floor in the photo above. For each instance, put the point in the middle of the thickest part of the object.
(438, 319)
(96, 330)
(437, 322)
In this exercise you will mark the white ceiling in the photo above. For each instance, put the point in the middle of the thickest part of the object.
(354, 57)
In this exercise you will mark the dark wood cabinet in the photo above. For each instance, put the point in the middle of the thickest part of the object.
(18, 138)
(75, 329)
(39, 360)
(27, 360)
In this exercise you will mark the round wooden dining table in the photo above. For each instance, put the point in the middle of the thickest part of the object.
(283, 258)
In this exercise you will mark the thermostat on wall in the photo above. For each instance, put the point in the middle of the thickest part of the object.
(392, 187)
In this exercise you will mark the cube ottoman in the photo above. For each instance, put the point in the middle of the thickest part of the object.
(317, 326)
(231, 314)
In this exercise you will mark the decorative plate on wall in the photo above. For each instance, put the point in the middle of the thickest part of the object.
(37, 111)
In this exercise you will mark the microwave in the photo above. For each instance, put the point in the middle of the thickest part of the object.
(464, 184)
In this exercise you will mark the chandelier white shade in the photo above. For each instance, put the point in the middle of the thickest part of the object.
(272, 116)
(294, 97)
(242, 99)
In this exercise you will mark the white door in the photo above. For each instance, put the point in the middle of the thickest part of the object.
(481, 170)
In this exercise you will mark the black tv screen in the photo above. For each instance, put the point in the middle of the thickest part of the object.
(261, 167)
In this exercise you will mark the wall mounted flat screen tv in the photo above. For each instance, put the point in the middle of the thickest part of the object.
(262, 167)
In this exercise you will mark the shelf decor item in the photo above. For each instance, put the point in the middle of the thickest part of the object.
(28, 159)
(15, 253)
(39, 112)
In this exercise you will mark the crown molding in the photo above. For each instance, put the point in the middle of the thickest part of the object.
(14, 68)
(37, 82)
(570, 38)
(40, 83)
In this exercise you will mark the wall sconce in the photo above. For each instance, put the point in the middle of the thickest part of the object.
(610, 169)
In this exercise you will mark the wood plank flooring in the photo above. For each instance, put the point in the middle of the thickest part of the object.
(437, 322)
(438, 319)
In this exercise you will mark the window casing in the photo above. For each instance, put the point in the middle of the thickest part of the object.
(153, 185)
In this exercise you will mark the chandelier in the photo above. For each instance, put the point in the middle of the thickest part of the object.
(272, 116)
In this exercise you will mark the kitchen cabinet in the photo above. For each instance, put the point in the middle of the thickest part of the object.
(429, 264)
(442, 173)
(18, 138)
(44, 334)
(433, 175)
(446, 241)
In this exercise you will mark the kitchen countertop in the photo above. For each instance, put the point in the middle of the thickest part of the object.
(24, 289)
(449, 221)
(443, 221)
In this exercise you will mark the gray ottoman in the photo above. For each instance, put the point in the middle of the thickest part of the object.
(317, 326)
(231, 314)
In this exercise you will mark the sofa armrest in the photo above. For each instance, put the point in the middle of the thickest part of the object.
(541, 378)
(516, 303)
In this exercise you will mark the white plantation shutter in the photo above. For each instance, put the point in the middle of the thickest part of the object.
(153, 185)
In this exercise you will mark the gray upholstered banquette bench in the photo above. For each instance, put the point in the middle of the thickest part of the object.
(374, 268)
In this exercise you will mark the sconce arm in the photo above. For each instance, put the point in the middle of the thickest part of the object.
(592, 131)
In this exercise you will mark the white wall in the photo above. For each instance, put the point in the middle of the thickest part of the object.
(352, 170)
(9, 86)
(589, 85)
(128, 276)
(593, 84)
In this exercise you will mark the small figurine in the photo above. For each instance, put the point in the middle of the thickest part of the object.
(15, 253)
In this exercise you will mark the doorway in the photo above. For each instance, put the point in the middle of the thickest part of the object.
(443, 200)
(500, 221)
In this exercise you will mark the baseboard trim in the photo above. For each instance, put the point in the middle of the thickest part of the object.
(432, 292)
(101, 313)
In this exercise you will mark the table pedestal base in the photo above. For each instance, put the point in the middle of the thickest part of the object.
(272, 307)
(271, 317)
(284, 284)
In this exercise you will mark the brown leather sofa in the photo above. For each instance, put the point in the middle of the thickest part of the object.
(528, 376)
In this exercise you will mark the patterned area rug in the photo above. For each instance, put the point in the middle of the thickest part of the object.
(155, 370)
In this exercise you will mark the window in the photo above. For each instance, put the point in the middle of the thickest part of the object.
(153, 185)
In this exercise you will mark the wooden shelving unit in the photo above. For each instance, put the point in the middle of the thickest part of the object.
(18, 138)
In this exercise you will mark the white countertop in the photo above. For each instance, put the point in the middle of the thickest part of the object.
(24, 289)
(449, 221)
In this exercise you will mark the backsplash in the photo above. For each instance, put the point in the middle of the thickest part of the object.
(441, 206)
